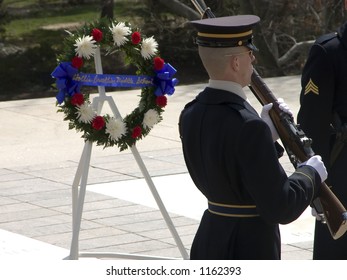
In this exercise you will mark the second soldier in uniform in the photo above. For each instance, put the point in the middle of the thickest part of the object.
(323, 117)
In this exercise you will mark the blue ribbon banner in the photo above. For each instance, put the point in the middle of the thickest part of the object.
(108, 80)
(69, 80)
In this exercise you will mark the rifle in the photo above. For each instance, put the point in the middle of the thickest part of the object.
(297, 145)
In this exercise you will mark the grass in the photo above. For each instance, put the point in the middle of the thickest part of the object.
(27, 3)
(22, 27)
(19, 27)
(37, 18)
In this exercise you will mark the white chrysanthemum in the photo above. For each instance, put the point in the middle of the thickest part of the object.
(149, 47)
(85, 113)
(85, 46)
(119, 32)
(150, 118)
(115, 128)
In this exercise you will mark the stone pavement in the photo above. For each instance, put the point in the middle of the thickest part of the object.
(39, 159)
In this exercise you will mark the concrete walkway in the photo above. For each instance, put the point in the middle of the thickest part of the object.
(39, 158)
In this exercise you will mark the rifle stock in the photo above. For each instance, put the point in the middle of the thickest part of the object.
(297, 145)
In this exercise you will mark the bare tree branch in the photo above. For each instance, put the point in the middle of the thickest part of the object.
(296, 48)
(315, 15)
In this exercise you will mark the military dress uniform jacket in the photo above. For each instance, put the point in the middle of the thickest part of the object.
(324, 91)
(231, 157)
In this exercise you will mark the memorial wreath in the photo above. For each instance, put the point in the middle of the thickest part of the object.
(153, 76)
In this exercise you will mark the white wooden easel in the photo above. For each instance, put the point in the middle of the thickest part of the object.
(80, 183)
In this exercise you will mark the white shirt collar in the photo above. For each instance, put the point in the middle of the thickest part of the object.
(228, 86)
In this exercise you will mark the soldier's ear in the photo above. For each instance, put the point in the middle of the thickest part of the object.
(236, 62)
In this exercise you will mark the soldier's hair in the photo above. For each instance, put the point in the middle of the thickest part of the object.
(215, 60)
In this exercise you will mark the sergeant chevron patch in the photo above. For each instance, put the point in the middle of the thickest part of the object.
(311, 86)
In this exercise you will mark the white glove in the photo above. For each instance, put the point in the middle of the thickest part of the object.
(266, 118)
(284, 107)
(317, 163)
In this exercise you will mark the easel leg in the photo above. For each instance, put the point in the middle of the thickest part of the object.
(160, 203)
(78, 195)
(152, 187)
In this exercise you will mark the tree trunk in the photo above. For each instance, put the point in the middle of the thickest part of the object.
(107, 9)
(3, 19)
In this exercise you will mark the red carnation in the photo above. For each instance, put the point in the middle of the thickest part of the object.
(136, 37)
(98, 123)
(97, 34)
(77, 62)
(158, 63)
(77, 99)
(137, 131)
(161, 101)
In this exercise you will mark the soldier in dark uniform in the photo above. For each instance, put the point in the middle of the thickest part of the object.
(323, 117)
(230, 153)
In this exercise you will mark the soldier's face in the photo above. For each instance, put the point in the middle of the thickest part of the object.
(345, 4)
(245, 59)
